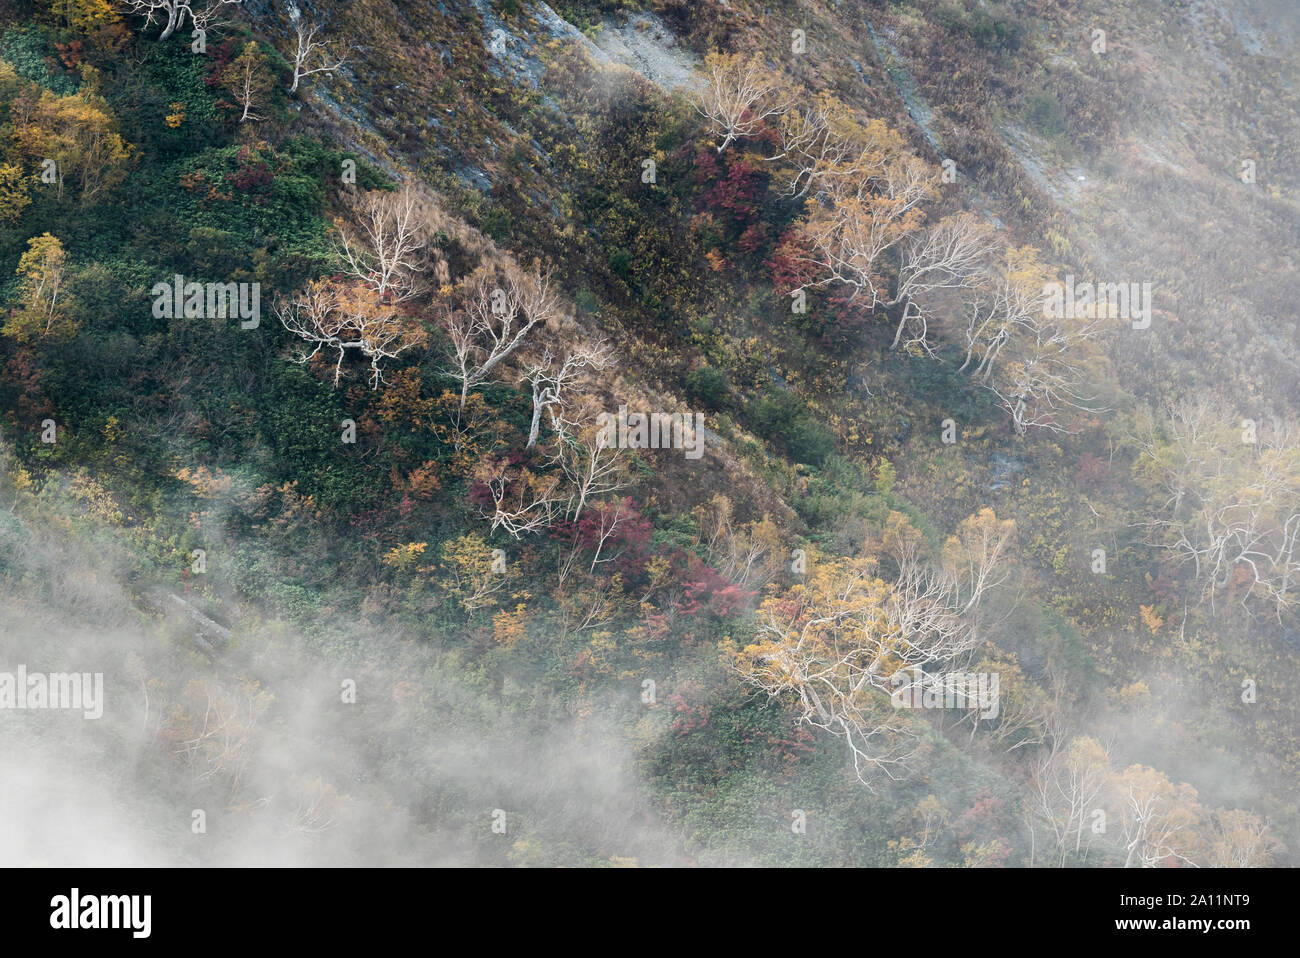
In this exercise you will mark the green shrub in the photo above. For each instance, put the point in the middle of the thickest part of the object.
(810, 441)
(784, 417)
(31, 54)
(1044, 112)
(587, 303)
(708, 386)
(496, 224)
(774, 414)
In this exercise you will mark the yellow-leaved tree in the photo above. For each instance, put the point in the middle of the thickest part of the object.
(14, 197)
(840, 643)
(738, 96)
(42, 310)
(77, 132)
(1038, 365)
(831, 645)
(1161, 821)
(84, 16)
(1231, 502)
(471, 571)
(1240, 839)
(249, 80)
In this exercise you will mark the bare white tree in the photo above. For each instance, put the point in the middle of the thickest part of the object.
(1232, 507)
(854, 231)
(610, 517)
(247, 80)
(501, 308)
(549, 378)
(849, 636)
(309, 49)
(950, 255)
(823, 145)
(592, 467)
(522, 502)
(314, 810)
(1159, 819)
(1240, 839)
(738, 95)
(172, 13)
(1043, 374)
(1066, 789)
(748, 556)
(382, 242)
(808, 144)
(1035, 363)
(937, 606)
(344, 318)
(216, 745)
(992, 317)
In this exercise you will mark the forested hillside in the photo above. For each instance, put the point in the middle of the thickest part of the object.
(692, 432)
